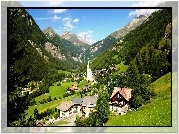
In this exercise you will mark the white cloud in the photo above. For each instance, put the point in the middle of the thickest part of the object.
(66, 19)
(67, 24)
(59, 10)
(142, 12)
(47, 18)
(55, 18)
(76, 20)
(88, 35)
(144, 4)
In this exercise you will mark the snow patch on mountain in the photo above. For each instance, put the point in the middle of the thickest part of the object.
(82, 37)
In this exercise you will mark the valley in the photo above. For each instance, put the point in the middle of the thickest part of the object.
(59, 79)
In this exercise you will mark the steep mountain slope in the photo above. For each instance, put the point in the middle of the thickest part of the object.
(64, 49)
(147, 49)
(30, 52)
(28, 61)
(101, 46)
(130, 26)
(75, 39)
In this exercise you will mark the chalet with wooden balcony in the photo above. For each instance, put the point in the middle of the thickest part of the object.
(119, 100)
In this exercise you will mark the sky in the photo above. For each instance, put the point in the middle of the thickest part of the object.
(95, 24)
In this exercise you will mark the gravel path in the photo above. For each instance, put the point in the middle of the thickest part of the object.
(70, 120)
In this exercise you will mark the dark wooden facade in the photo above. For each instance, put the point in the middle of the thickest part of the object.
(118, 100)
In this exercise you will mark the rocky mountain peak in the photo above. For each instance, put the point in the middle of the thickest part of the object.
(75, 39)
(49, 32)
(142, 16)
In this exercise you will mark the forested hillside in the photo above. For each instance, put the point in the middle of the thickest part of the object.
(27, 61)
(147, 49)
(101, 46)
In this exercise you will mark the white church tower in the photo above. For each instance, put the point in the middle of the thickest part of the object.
(89, 73)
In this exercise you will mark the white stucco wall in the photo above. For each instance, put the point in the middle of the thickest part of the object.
(110, 107)
(119, 109)
(64, 114)
(79, 109)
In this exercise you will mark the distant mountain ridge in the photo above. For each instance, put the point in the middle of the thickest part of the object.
(78, 40)
(101, 46)
(66, 47)
(130, 26)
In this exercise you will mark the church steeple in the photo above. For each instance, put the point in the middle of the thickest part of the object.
(89, 73)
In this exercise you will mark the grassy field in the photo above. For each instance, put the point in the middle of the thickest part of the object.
(50, 105)
(156, 113)
(59, 123)
(54, 91)
(82, 83)
(66, 72)
(121, 68)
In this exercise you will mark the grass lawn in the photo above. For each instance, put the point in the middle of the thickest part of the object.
(41, 97)
(59, 123)
(83, 83)
(156, 113)
(56, 91)
(50, 105)
(121, 68)
(66, 72)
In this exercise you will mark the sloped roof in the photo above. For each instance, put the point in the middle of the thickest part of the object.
(64, 106)
(116, 89)
(77, 100)
(125, 92)
(89, 100)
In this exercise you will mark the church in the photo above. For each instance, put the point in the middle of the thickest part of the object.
(89, 73)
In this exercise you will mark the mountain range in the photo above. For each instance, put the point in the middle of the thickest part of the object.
(75, 49)
(87, 50)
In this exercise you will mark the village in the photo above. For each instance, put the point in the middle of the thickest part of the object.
(82, 107)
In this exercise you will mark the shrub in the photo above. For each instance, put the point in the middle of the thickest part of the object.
(65, 95)
(59, 84)
(49, 99)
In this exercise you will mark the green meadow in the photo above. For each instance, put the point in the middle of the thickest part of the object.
(156, 113)
(121, 68)
(54, 91)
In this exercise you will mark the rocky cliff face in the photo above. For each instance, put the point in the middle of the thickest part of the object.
(65, 47)
(137, 21)
(55, 51)
(75, 39)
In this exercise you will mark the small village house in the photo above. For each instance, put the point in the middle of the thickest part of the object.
(39, 123)
(77, 104)
(65, 109)
(88, 104)
(119, 100)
